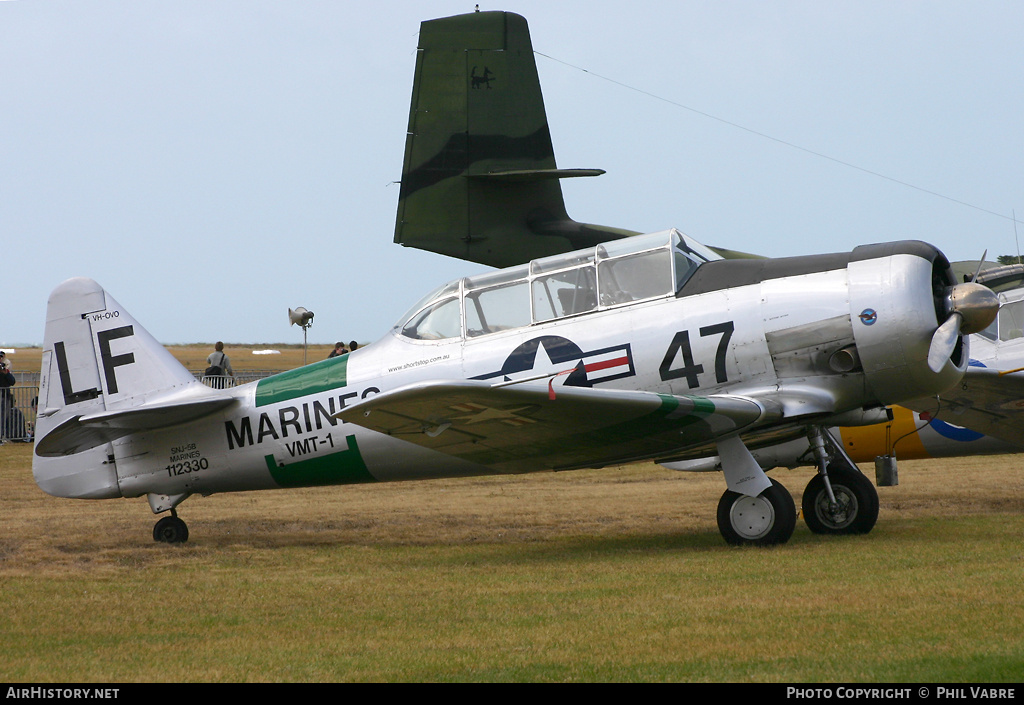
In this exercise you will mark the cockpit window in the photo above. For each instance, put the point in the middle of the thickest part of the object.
(497, 308)
(687, 255)
(450, 288)
(638, 268)
(1011, 320)
(635, 277)
(441, 320)
(564, 293)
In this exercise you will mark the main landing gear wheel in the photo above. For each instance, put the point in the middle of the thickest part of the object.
(856, 507)
(170, 530)
(765, 520)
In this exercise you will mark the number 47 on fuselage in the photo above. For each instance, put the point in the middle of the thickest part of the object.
(645, 348)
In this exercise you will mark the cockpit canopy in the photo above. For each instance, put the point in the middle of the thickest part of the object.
(1009, 324)
(613, 274)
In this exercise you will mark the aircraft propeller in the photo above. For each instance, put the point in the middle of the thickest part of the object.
(970, 307)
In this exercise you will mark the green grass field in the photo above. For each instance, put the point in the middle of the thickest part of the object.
(610, 575)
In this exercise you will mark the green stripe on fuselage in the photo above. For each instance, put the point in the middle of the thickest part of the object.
(345, 467)
(321, 376)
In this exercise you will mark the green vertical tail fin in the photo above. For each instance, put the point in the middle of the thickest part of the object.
(479, 180)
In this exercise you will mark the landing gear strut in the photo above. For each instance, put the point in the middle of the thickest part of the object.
(839, 499)
(171, 529)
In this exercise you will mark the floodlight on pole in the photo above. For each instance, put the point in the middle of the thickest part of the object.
(304, 319)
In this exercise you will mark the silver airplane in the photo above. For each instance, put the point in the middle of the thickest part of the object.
(982, 415)
(651, 347)
(480, 182)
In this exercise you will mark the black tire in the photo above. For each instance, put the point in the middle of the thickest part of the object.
(766, 520)
(856, 497)
(170, 530)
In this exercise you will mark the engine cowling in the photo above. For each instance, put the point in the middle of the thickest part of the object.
(899, 299)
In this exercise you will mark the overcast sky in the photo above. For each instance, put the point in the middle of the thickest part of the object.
(214, 162)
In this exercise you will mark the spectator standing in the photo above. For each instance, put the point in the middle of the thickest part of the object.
(219, 367)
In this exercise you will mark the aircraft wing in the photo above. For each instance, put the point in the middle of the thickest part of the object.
(518, 427)
(86, 431)
(985, 401)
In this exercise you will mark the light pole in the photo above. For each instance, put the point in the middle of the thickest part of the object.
(304, 319)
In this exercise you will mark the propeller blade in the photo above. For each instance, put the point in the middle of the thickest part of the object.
(981, 263)
(943, 342)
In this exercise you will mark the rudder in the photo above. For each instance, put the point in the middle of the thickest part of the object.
(479, 180)
(97, 360)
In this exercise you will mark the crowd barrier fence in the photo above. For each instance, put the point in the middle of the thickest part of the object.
(18, 404)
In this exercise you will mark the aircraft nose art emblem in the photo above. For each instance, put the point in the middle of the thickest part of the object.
(868, 316)
(554, 354)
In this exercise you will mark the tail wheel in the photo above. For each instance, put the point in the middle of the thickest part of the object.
(170, 530)
(856, 507)
(765, 520)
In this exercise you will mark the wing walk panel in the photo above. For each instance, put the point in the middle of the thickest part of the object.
(519, 428)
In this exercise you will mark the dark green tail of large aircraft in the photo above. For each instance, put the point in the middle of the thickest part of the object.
(479, 181)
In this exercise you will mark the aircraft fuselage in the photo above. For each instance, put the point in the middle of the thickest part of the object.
(775, 340)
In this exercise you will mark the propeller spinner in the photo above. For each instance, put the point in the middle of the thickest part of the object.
(970, 308)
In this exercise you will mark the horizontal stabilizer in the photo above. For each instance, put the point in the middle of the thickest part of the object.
(536, 174)
(528, 426)
(87, 431)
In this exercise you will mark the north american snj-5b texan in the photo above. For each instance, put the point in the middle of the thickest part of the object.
(646, 347)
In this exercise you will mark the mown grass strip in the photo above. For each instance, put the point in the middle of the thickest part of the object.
(615, 575)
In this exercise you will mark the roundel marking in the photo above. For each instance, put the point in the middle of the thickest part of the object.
(955, 433)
